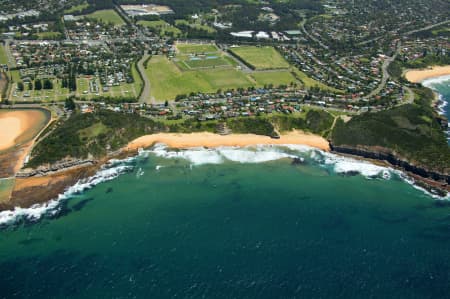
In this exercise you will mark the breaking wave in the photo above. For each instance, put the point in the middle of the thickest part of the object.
(109, 172)
(201, 156)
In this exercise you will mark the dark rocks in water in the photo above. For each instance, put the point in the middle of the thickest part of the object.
(297, 161)
(109, 190)
(350, 173)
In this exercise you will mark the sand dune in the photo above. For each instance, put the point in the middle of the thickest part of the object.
(417, 76)
(215, 140)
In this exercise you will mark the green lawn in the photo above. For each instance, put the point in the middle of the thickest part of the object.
(76, 8)
(196, 48)
(261, 58)
(276, 78)
(49, 35)
(206, 63)
(107, 16)
(310, 82)
(168, 81)
(3, 56)
(161, 27)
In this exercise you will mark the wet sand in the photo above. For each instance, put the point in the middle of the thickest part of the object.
(417, 76)
(19, 126)
(215, 140)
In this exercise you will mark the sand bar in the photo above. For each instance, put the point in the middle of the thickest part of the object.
(417, 76)
(214, 140)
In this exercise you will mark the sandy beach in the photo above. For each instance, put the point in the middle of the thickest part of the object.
(19, 126)
(417, 76)
(215, 140)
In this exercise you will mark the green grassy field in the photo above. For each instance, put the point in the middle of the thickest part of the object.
(195, 25)
(196, 48)
(76, 8)
(276, 78)
(205, 63)
(309, 82)
(168, 81)
(3, 56)
(49, 35)
(107, 16)
(261, 58)
(161, 27)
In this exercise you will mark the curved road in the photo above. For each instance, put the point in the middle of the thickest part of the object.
(145, 95)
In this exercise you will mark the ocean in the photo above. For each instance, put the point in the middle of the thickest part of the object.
(256, 222)
(441, 85)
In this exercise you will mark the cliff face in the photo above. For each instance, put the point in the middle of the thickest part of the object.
(386, 155)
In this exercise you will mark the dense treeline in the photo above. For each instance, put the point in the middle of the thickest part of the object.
(315, 121)
(410, 131)
(91, 134)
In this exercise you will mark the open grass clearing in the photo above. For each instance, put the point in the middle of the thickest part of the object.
(107, 16)
(3, 55)
(260, 58)
(275, 78)
(76, 8)
(187, 48)
(161, 27)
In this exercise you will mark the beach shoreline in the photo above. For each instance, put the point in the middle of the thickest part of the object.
(41, 189)
(420, 75)
(180, 141)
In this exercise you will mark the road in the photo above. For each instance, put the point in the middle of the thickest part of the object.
(385, 75)
(145, 95)
(312, 37)
(426, 28)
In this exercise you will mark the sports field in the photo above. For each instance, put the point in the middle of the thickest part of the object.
(168, 80)
(260, 58)
(107, 16)
(196, 48)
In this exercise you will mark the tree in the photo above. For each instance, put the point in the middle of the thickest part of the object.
(37, 84)
(166, 103)
(20, 86)
(69, 104)
(48, 84)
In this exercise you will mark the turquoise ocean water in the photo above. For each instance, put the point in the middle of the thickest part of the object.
(442, 86)
(232, 223)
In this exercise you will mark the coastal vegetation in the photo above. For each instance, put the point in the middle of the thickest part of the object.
(411, 131)
(314, 121)
(90, 134)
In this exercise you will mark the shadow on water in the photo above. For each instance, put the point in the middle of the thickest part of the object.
(79, 205)
(30, 241)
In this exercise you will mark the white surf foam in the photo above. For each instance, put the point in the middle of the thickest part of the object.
(259, 154)
(437, 80)
(51, 208)
(343, 165)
